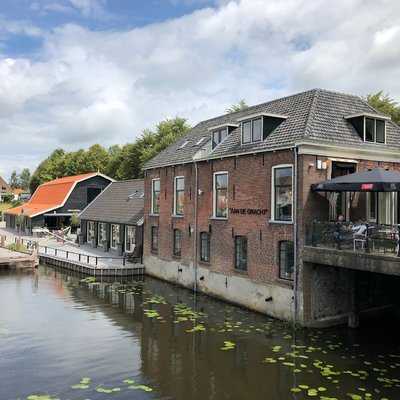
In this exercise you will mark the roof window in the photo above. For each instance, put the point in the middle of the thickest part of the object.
(369, 128)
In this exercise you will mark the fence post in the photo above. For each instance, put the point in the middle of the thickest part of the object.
(88, 259)
(123, 261)
(67, 254)
(55, 252)
(79, 257)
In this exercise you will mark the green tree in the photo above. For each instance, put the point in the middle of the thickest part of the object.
(14, 181)
(24, 178)
(118, 162)
(237, 107)
(166, 133)
(384, 103)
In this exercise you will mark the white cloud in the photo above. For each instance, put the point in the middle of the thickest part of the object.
(106, 86)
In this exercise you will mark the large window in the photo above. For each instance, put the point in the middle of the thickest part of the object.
(241, 253)
(177, 242)
(218, 136)
(130, 238)
(179, 195)
(252, 130)
(155, 196)
(114, 236)
(286, 259)
(154, 238)
(90, 231)
(205, 247)
(102, 233)
(282, 195)
(221, 195)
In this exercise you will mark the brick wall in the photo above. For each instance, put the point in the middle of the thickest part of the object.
(249, 187)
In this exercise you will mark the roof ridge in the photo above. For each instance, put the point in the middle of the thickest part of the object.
(256, 105)
(311, 113)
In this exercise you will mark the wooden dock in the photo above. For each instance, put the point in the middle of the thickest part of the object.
(127, 270)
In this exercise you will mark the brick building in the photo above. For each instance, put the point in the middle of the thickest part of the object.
(227, 207)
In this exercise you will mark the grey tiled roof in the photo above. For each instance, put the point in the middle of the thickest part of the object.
(316, 115)
(121, 202)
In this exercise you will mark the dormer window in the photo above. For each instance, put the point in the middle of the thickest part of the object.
(369, 127)
(220, 132)
(255, 128)
(252, 131)
(218, 136)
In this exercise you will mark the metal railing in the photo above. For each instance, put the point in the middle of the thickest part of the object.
(358, 237)
(79, 257)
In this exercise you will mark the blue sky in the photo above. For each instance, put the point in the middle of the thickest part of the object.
(78, 72)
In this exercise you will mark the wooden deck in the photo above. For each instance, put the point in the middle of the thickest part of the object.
(128, 270)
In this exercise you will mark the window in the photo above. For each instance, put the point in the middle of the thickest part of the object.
(154, 238)
(205, 247)
(372, 206)
(155, 196)
(221, 195)
(179, 195)
(252, 131)
(370, 129)
(282, 195)
(200, 141)
(183, 145)
(246, 132)
(102, 234)
(256, 130)
(177, 242)
(130, 238)
(380, 131)
(114, 236)
(286, 259)
(241, 253)
(218, 136)
(90, 231)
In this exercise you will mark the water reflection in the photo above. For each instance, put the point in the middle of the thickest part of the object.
(60, 329)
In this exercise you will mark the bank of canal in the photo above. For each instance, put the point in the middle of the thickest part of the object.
(67, 339)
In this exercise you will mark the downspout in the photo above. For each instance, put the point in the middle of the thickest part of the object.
(195, 252)
(295, 238)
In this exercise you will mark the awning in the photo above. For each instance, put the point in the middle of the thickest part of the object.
(375, 180)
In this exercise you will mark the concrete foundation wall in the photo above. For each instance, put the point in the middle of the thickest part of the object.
(232, 288)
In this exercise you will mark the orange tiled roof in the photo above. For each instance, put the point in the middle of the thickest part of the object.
(49, 196)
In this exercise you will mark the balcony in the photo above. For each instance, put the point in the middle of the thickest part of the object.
(361, 246)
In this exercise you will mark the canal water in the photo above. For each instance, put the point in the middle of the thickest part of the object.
(65, 338)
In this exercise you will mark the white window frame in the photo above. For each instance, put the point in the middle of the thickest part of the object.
(251, 130)
(99, 230)
(175, 197)
(152, 195)
(365, 129)
(273, 193)
(111, 236)
(215, 194)
(133, 245)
